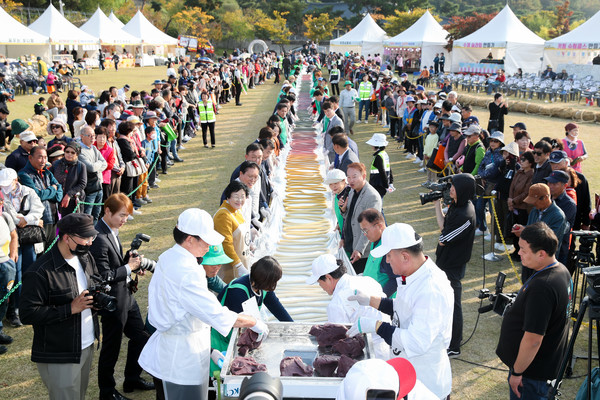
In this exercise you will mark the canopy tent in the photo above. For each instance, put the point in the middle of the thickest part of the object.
(107, 31)
(141, 28)
(61, 32)
(576, 47)
(16, 39)
(366, 38)
(505, 37)
(426, 33)
(116, 20)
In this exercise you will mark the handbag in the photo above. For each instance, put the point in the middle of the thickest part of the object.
(30, 234)
(439, 157)
(133, 168)
(142, 165)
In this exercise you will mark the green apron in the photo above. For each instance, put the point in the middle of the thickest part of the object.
(373, 269)
(218, 341)
(338, 213)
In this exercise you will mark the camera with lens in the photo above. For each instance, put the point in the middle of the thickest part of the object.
(500, 302)
(261, 386)
(439, 190)
(586, 239)
(102, 300)
(146, 264)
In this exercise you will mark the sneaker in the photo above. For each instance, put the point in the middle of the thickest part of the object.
(15, 322)
(488, 237)
(409, 156)
(130, 218)
(180, 147)
(499, 247)
(5, 339)
(154, 186)
(359, 122)
(426, 184)
(423, 170)
(3, 349)
(147, 199)
(139, 202)
(479, 232)
(157, 180)
(136, 212)
(385, 126)
(453, 353)
(366, 122)
(417, 160)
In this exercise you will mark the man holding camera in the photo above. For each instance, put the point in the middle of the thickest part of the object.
(116, 269)
(56, 301)
(455, 245)
(533, 337)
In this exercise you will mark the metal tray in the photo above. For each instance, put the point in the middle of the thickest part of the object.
(286, 339)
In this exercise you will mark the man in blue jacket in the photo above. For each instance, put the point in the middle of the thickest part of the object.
(36, 176)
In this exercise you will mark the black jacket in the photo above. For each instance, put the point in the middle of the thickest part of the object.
(49, 287)
(459, 226)
(108, 255)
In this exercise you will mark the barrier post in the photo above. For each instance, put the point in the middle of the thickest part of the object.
(492, 256)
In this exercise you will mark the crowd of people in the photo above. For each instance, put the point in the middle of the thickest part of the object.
(69, 197)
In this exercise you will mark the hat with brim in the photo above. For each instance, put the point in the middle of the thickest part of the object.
(197, 222)
(512, 148)
(378, 140)
(18, 125)
(137, 104)
(322, 265)
(150, 115)
(558, 156)
(368, 375)
(216, 256)
(472, 130)
(56, 150)
(455, 127)
(56, 122)
(557, 176)
(347, 83)
(335, 175)
(406, 373)
(497, 135)
(27, 136)
(409, 98)
(396, 236)
(77, 224)
(536, 192)
(7, 177)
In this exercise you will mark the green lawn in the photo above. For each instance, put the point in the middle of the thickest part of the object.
(198, 182)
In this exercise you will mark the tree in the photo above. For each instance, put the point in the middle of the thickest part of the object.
(319, 29)
(268, 28)
(236, 26)
(563, 19)
(10, 6)
(293, 8)
(449, 8)
(401, 20)
(540, 22)
(193, 21)
(462, 26)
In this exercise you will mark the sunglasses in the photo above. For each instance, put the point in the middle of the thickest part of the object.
(70, 152)
(56, 127)
(538, 153)
(33, 141)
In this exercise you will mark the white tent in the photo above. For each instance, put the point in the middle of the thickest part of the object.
(16, 39)
(576, 47)
(116, 20)
(107, 31)
(505, 37)
(61, 32)
(425, 34)
(141, 28)
(366, 38)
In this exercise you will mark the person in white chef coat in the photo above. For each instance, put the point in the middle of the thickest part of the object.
(330, 274)
(183, 310)
(422, 310)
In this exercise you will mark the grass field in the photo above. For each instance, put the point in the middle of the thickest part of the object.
(198, 182)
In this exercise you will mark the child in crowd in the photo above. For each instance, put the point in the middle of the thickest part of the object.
(150, 147)
(39, 108)
(431, 142)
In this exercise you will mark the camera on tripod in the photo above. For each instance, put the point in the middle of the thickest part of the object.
(146, 264)
(98, 289)
(500, 302)
(439, 190)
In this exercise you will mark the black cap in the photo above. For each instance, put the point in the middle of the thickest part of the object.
(4, 109)
(78, 224)
(519, 125)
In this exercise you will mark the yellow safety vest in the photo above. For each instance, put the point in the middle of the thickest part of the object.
(364, 90)
(386, 164)
(207, 114)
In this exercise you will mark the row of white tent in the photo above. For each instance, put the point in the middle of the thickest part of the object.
(505, 36)
(53, 29)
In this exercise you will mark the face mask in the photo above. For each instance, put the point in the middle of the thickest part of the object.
(200, 260)
(153, 136)
(80, 249)
(97, 122)
(116, 114)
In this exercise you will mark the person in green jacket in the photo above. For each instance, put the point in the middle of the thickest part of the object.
(336, 180)
(473, 152)
(212, 262)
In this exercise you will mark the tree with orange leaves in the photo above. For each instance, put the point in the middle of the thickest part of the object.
(460, 27)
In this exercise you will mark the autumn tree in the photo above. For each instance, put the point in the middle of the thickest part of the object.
(236, 26)
(193, 21)
(402, 20)
(460, 27)
(319, 29)
(563, 19)
(270, 28)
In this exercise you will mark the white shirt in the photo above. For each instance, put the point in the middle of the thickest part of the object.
(348, 97)
(87, 322)
(182, 310)
(121, 95)
(423, 310)
(340, 310)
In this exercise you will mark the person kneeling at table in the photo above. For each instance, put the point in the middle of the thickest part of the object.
(212, 263)
(421, 312)
(331, 275)
(250, 292)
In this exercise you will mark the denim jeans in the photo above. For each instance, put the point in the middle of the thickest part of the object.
(8, 272)
(27, 257)
(532, 389)
(93, 210)
(363, 104)
(173, 148)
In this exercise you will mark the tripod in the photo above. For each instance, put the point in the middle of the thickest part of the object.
(591, 304)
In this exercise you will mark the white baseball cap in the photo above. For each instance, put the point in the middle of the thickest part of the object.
(334, 176)
(7, 176)
(378, 140)
(197, 222)
(27, 136)
(322, 265)
(396, 236)
(472, 130)
(365, 375)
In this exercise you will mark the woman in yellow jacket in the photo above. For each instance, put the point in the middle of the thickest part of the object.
(229, 222)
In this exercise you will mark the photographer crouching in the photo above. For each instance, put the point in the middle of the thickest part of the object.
(116, 269)
(455, 245)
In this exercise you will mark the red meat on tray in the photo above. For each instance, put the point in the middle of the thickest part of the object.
(247, 341)
(325, 365)
(328, 334)
(294, 366)
(246, 366)
(352, 346)
(344, 365)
